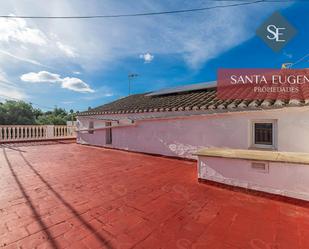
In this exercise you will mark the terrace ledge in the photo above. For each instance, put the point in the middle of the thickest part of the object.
(258, 155)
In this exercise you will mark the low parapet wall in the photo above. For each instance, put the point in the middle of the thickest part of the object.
(20, 133)
(287, 175)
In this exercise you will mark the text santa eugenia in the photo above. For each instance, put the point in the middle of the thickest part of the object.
(274, 79)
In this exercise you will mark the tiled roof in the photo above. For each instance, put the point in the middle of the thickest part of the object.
(185, 101)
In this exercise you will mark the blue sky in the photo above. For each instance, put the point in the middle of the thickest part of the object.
(80, 63)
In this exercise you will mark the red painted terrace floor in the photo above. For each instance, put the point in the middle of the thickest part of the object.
(72, 196)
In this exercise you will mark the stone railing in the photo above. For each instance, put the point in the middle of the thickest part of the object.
(12, 133)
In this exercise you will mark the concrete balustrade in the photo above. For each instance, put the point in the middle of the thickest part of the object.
(12, 133)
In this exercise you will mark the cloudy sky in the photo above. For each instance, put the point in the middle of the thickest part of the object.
(85, 62)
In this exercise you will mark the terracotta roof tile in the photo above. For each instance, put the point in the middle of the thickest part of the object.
(195, 100)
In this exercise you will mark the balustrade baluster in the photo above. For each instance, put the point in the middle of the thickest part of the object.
(13, 133)
(34, 132)
(5, 134)
(9, 133)
(17, 133)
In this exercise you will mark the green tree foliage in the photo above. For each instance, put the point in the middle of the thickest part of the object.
(13, 112)
(22, 113)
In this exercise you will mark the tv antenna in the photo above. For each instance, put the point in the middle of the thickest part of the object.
(130, 78)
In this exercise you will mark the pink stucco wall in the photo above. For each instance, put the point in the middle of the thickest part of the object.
(183, 136)
(281, 178)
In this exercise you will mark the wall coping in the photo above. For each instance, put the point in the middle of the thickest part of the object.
(256, 155)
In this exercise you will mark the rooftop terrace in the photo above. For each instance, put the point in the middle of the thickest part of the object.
(64, 195)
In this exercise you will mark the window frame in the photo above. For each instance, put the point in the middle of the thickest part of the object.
(272, 146)
(91, 129)
(108, 133)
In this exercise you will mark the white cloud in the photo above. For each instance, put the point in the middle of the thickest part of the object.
(100, 93)
(3, 77)
(23, 41)
(16, 30)
(42, 76)
(9, 90)
(97, 45)
(74, 84)
(69, 51)
(34, 62)
(147, 57)
(196, 38)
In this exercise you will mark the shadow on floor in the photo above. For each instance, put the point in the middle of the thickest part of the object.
(12, 145)
(43, 226)
(100, 238)
(11, 148)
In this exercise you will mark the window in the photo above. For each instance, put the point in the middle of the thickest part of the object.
(109, 134)
(263, 134)
(90, 127)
